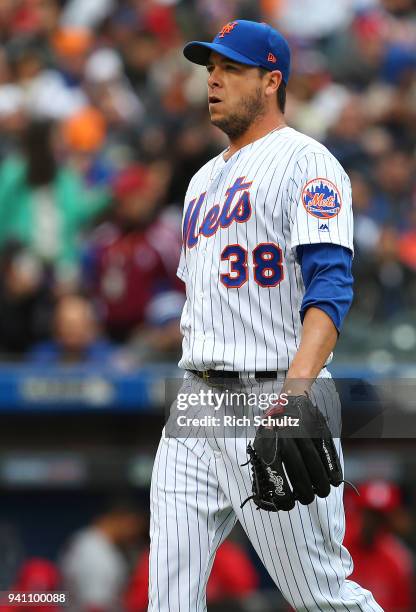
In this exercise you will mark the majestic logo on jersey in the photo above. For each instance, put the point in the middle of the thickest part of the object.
(324, 227)
(216, 217)
(321, 198)
(229, 27)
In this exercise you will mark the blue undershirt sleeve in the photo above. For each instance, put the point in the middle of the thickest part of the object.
(328, 280)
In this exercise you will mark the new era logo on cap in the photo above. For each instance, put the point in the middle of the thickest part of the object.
(247, 42)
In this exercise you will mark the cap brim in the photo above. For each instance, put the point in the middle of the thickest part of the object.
(199, 52)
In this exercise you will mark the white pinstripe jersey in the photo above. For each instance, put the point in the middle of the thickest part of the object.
(243, 219)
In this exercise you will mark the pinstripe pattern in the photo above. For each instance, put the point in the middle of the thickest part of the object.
(197, 489)
(256, 327)
(198, 481)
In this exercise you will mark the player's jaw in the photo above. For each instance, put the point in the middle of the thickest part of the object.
(234, 117)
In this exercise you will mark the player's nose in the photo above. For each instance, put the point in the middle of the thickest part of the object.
(214, 79)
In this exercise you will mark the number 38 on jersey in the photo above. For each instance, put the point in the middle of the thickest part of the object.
(265, 262)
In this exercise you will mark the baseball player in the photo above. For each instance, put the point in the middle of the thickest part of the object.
(266, 259)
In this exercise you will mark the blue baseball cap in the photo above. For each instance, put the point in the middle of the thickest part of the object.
(247, 42)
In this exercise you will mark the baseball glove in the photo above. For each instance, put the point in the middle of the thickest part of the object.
(294, 458)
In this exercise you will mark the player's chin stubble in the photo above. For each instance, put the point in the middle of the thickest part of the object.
(236, 124)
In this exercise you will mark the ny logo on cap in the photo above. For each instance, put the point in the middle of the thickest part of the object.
(229, 27)
(272, 58)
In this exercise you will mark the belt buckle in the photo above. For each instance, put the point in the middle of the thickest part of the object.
(205, 376)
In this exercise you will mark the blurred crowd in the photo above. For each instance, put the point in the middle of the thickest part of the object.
(103, 566)
(103, 122)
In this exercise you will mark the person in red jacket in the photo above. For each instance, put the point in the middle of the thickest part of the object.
(36, 575)
(132, 263)
(382, 563)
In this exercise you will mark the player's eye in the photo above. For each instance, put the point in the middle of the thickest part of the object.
(210, 68)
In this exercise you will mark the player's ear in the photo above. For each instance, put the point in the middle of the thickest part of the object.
(273, 81)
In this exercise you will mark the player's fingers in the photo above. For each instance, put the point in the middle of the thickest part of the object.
(296, 471)
(316, 469)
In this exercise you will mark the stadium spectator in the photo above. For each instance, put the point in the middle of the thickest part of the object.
(93, 564)
(36, 576)
(76, 338)
(50, 203)
(395, 185)
(110, 91)
(382, 563)
(132, 261)
(346, 135)
(84, 137)
(71, 46)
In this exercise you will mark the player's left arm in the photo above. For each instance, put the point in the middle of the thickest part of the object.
(327, 276)
(321, 226)
(319, 337)
(288, 468)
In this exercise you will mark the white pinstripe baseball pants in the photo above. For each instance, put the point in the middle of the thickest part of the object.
(197, 487)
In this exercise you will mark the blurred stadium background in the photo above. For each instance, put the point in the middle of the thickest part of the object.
(102, 124)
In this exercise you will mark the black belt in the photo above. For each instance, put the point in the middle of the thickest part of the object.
(226, 374)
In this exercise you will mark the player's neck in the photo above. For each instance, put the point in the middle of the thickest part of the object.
(255, 132)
